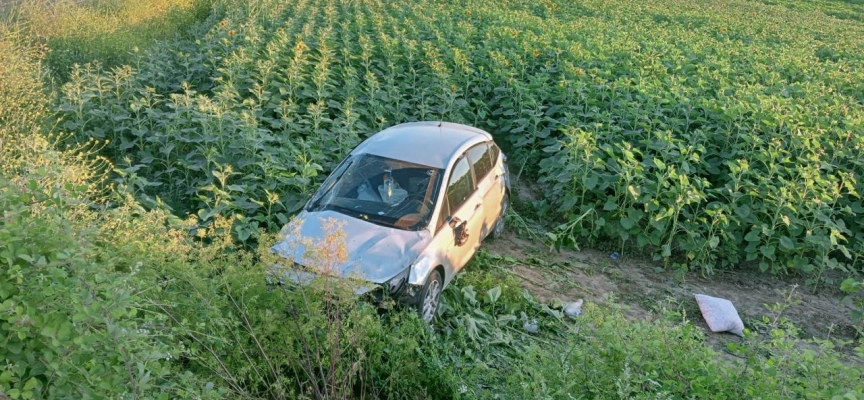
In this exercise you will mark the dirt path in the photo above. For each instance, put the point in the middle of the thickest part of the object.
(643, 288)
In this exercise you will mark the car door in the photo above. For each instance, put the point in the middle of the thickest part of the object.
(461, 214)
(489, 184)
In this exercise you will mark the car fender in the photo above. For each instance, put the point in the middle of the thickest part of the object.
(424, 265)
(421, 268)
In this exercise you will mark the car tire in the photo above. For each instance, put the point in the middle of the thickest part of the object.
(499, 228)
(428, 298)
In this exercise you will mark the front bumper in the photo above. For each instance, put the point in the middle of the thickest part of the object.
(297, 276)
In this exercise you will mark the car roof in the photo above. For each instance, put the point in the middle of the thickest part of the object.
(430, 143)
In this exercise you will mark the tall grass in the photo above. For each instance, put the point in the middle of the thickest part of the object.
(110, 32)
(28, 146)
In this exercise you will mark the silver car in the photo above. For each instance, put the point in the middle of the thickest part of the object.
(415, 202)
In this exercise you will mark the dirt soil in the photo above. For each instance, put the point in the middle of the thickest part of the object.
(643, 287)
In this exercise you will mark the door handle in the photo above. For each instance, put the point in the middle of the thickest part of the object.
(477, 206)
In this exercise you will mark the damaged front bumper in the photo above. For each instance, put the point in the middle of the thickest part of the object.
(396, 288)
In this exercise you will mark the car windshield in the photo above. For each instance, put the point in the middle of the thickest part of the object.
(383, 191)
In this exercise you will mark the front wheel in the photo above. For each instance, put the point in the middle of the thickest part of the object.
(429, 297)
(498, 229)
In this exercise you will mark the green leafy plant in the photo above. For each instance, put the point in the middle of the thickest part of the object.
(853, 289)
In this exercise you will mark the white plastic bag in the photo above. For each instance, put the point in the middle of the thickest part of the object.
(573, 309)
(720, 314)
(392, 196)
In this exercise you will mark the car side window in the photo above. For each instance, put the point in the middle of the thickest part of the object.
(481, 160)
(494, 152)
(445, 213)
(461, 184)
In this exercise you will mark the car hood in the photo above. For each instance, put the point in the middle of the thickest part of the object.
(375, 253)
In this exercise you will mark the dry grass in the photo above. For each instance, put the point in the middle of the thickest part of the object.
(78, 32)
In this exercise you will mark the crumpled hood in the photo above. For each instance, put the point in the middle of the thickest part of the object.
(375, 253)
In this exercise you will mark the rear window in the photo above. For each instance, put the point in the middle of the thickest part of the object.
(481, 159)
(494, 152)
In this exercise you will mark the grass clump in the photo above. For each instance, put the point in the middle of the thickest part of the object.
(110, 32)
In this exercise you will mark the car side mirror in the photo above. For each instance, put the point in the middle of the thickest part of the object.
(460, 233)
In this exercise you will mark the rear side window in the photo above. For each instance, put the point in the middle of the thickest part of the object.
(461, 184)
(494, 152)
(481, 159)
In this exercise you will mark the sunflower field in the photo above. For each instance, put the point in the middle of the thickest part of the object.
(709, 134)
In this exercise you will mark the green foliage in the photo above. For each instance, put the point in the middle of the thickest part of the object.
(840, 9)
(72, 317)
(601, 354)
(740, 144)
(201, 320)
(673, 152)
(70, 325)
(854, 289)
(692, 147)
(490, 308)
(265, 341)
(195, 153)
(607, 356)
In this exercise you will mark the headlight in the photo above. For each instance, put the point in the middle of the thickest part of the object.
(396, 283)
